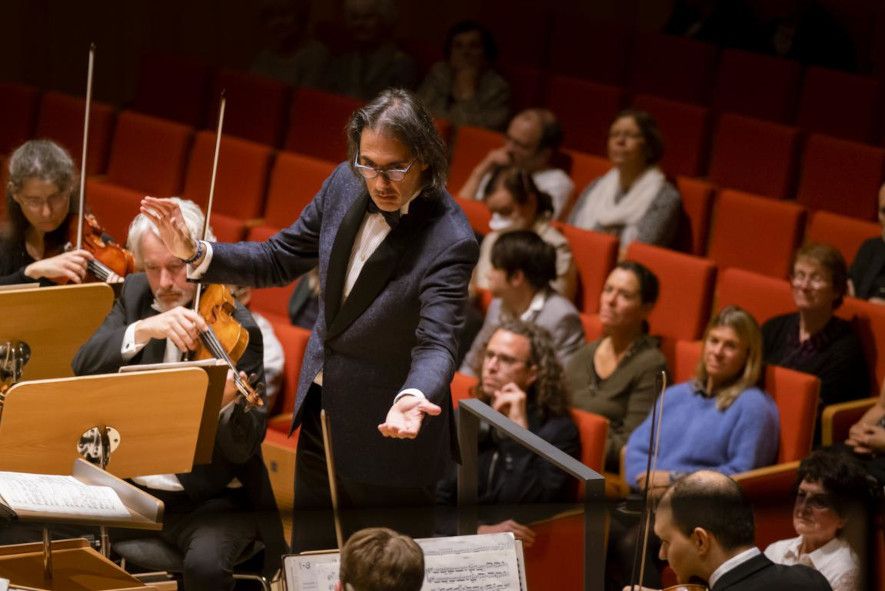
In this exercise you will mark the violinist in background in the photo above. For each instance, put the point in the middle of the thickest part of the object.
(215, 512)
(707, 534)
(40, 200)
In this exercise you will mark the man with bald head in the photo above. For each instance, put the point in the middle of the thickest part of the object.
(531, 141)
(707, 534)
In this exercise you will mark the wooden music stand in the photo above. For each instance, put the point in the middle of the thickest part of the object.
(54, 322)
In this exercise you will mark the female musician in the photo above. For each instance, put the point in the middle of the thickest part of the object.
(40, 201)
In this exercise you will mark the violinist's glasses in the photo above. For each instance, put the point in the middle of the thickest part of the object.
(813, 501)
(394, 175)
(54, 201)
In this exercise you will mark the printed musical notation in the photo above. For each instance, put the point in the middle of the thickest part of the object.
(61, 495)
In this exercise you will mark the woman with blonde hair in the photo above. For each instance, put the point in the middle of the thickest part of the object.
(720, 420)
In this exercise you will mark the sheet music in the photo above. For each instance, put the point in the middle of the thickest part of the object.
(489, 562)
(65, 495)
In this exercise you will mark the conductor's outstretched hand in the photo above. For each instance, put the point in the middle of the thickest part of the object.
(404, 418)
(171, 228)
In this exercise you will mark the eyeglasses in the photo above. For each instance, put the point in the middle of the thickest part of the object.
(813, 501)
(625, 135)
(53, 201)
(814, 280)
(505, 360)
(394, 175)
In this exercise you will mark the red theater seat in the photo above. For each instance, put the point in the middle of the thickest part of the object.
(256, 106)
(585, 110)
(294, 181)
(172, 87)
(757, 85)
(316, 124)
(584, 169)
(526, 83)
(839, 104)
(471, 146)
(478, 215)
(673, 67)
(694, 219)
(597, 38)
(61, 119)
(869, 322)
(520, 29)
(685, 128)
(595, 255)
(273, 302)
(762, 296)
(845, 233)
(18, 113)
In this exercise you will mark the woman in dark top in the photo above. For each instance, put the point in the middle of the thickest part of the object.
(615, 376)
(812, 339)
(40, 201)
(867, 273)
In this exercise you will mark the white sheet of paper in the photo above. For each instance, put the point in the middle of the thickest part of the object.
(63, 495)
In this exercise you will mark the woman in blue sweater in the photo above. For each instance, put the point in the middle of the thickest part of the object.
(718, 421)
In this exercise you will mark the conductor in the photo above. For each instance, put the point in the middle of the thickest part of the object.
(395, 254)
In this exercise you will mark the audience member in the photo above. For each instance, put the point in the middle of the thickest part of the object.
(634, 200)
(866, 439)
(274, 356)
(304, 305)
(380, 559)
(867, 274)
(533, 138)
(374, 63)
(706, 532)
(812, 339)
(832, 490)
(615, 376)
(720, 420)
(727, 24)
(40, 202)
(522, 267)
(522, 379)
(289, 54)
(465, 89)
(517, 203)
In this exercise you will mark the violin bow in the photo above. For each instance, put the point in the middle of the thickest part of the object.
(88, 110)
(654, 440)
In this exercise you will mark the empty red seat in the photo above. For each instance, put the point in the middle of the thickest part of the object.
(173, 87)
(694, 217)
(61, 119)
(149, 154)
(757, 85)
(673, 67)
(256, 106)
(478, 215)
(18, 113)
(762, 296)
(585, 110)
(584, 169)
(869, 322)
(272, 302)
(595, 254)
(316, 124)
(242, 175)
(294, 341)
(755, 233)
(841, 176)
(471, 146)
(604, 52)
(114, 206)
(839, 104)
(520, 29)
(525, 85)
(845, 233)
(754, 156)
(686, 290)
(294, 181)
(685, 128)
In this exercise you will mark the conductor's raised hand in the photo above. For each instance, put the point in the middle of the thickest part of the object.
(404, 418)
(171, 228)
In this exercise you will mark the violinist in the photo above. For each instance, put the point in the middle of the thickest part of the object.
(706, 529)
(215, 512)
(41, 201)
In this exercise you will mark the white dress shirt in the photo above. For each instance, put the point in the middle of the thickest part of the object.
(835, 560)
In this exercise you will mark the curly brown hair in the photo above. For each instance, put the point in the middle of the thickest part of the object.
(548, 393)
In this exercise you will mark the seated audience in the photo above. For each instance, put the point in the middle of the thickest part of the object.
(213, 513)
(813, 339)
(522, 380)
(706, 532)
(380, 559)
(832, 488)
(304, 305)
(533, 138)
(41, 204)
(289, 54)
(615, 376)
(866, 439)
(464, 88)
(867, 274)
(517, 203)
(522, 267)
(720, 420)
(634, 200)
(374, 63)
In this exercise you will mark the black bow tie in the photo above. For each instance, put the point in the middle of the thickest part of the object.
(391, 217)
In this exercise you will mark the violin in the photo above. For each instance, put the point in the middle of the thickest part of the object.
(225, 339)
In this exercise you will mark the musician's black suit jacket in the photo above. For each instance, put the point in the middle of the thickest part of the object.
(237, 452)
(397, 329)
(761, 574)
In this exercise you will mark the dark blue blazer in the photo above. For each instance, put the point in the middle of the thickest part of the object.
(397, 329)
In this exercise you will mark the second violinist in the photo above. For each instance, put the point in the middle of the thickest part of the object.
(41, 203)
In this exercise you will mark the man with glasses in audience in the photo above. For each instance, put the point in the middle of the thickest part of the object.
(395, 255)
(532, 139)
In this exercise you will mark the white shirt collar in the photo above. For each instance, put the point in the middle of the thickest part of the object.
(535, 306)
(819, 558)
(733, 563)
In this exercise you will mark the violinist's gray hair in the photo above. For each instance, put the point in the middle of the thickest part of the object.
(44, 160)
(399, 113)
(193, 219)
